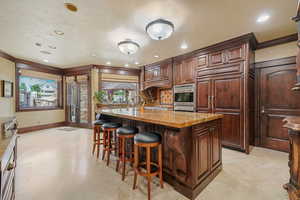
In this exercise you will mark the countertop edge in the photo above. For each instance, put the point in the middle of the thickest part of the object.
(184, 125)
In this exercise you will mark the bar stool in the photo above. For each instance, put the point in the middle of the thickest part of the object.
(125, 134)
(97, 135)
(147, 140)
(109, 130)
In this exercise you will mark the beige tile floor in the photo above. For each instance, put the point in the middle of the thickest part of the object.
(57, 165)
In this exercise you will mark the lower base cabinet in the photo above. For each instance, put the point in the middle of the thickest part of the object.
(8, 165)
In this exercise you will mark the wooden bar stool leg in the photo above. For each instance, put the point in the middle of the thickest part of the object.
(123, 158)
(98, 143)
(119, 153)
(160, 164)
(94, 140)
(109, 147)
(136, 162)
(148, 162)
(104, 144)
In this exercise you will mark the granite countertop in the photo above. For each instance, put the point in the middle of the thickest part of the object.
(5, 139)
(167, 118)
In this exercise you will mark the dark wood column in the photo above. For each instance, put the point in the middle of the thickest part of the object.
(297, 20)
(293, 125)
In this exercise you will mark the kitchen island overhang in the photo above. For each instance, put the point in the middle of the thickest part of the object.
(192, 152)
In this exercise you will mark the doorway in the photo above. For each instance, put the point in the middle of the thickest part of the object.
(275, 101)
(78, 110)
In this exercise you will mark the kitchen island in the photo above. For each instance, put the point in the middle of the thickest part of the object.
(192, 153)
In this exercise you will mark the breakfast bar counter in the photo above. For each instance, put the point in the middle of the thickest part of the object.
(192, 153)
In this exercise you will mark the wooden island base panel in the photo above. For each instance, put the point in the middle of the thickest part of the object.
(192, 155)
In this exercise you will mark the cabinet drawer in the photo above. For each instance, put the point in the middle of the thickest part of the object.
(228, 69)
(217, 58)
(236, 54)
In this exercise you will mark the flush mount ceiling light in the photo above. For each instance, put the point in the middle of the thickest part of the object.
(156, 56)
(128, 47)
(137, 63)
(45, 60)
(160, 29)
(108, 63)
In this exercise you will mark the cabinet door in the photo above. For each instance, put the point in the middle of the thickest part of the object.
(152, 73)
(166, 71)
(202, 145)
(228, 100)
(189, 70)
(235, 54)
(202, 61)
(216, 58)
(216, 146)
(204, 94)
(277, 101)
(178, 65)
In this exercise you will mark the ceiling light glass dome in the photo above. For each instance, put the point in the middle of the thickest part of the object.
(160, 29)
(128, 47)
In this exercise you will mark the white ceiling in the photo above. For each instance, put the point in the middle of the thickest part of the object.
(99, 25)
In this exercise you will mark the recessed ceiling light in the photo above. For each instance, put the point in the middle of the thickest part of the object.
(156, 56)
(108, 63)
(184, 46)
(38, 44)
(71, 7)
(58, 32)
(263, 18)
(126, 65)
(45, 52)
(45, 60)
(137, 63)
(52, 47)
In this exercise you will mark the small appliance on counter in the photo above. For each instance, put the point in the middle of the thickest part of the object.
(185, 97)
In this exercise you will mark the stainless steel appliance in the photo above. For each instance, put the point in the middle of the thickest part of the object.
(185, 97)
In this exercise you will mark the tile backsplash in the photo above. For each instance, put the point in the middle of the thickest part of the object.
(166, 96)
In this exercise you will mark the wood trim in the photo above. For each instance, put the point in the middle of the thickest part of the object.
(77, 70)
(40, 127)
(276, 62)
(118, 70)
(7, 56)
(29, 65)
(278, 41)
(17, 92)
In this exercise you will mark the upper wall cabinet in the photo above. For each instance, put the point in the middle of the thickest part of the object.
(157, 75)
(184, 70)
(227, 56)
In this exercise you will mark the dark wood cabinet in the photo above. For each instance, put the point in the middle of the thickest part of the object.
(157, 75)
(184, 70)
(224, 87)
(207, 141)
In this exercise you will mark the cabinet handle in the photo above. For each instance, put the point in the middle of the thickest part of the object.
(208, 100)
(212, 101)
(10, 166)
(263, 110)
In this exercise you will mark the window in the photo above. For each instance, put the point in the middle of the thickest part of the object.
(38, 91)
(120, 93)
(35, 92)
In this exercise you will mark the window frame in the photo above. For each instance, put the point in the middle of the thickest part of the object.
(60, 92)
(137, 90)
